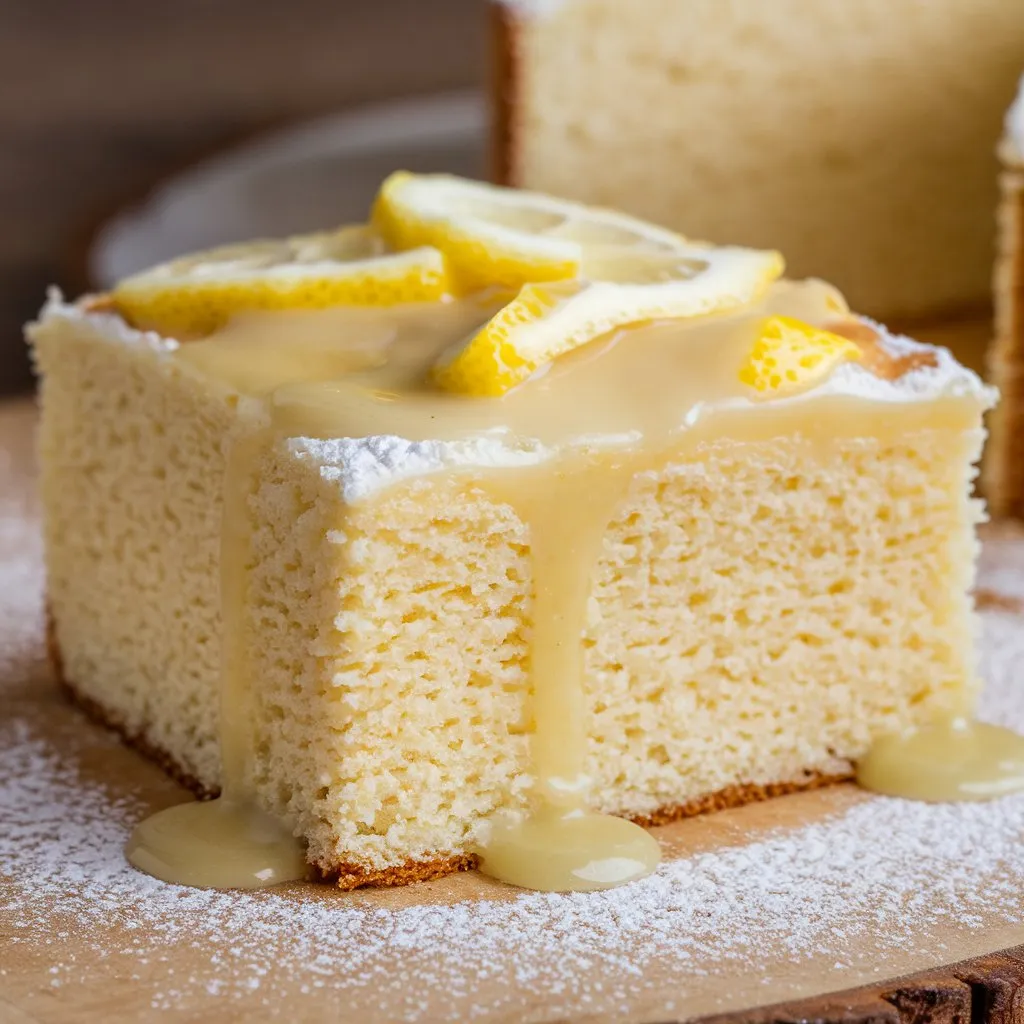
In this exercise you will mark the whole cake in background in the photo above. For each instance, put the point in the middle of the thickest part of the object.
(858, 138)
(1004, 454)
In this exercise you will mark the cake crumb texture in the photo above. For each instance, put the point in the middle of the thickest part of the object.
(755, 615)
(135, 570)
(857, 138)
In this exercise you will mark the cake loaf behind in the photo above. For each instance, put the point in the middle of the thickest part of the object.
(857, 138)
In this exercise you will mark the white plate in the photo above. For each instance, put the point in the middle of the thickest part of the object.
(316, 174)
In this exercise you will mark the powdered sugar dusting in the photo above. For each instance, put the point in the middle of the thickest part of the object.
(1002, 564)
(808, 893)
(107, 324)
(360, 466)
(946, 378)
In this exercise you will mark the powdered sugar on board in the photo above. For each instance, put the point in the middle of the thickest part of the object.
(818, 891)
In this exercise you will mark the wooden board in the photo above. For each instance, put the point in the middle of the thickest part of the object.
(65, 955)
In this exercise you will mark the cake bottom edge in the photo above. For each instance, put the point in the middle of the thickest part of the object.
(352, 876)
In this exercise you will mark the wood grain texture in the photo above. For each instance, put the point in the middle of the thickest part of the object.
(985, 990)
(103, 98)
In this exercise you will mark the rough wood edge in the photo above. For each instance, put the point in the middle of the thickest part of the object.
(984, 990)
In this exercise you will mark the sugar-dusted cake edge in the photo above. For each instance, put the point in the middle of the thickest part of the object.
(351, 876)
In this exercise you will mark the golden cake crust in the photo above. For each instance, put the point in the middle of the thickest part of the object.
(351, 876)
(504, 65)
(99, 714)
(1003, 466)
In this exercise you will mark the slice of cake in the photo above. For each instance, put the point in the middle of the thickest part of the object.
(1004, 458)
(494, 513)
(856, 137)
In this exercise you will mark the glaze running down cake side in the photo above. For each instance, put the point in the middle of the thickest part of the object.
(419, 581)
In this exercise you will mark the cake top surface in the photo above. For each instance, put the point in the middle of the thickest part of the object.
(365, 459)
(487, 326)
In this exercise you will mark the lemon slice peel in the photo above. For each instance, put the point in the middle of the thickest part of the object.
(546, 321)
(505, 238)
(197, 294)
(790, 355)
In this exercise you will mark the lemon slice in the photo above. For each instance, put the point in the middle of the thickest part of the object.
(790, 355)
(545, 321)
(352, 266)
(505, 238)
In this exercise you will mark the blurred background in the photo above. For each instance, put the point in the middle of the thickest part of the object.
(104, 99)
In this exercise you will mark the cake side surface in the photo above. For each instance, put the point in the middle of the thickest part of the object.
(750, 625)
(791, 117)
(131, 461)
